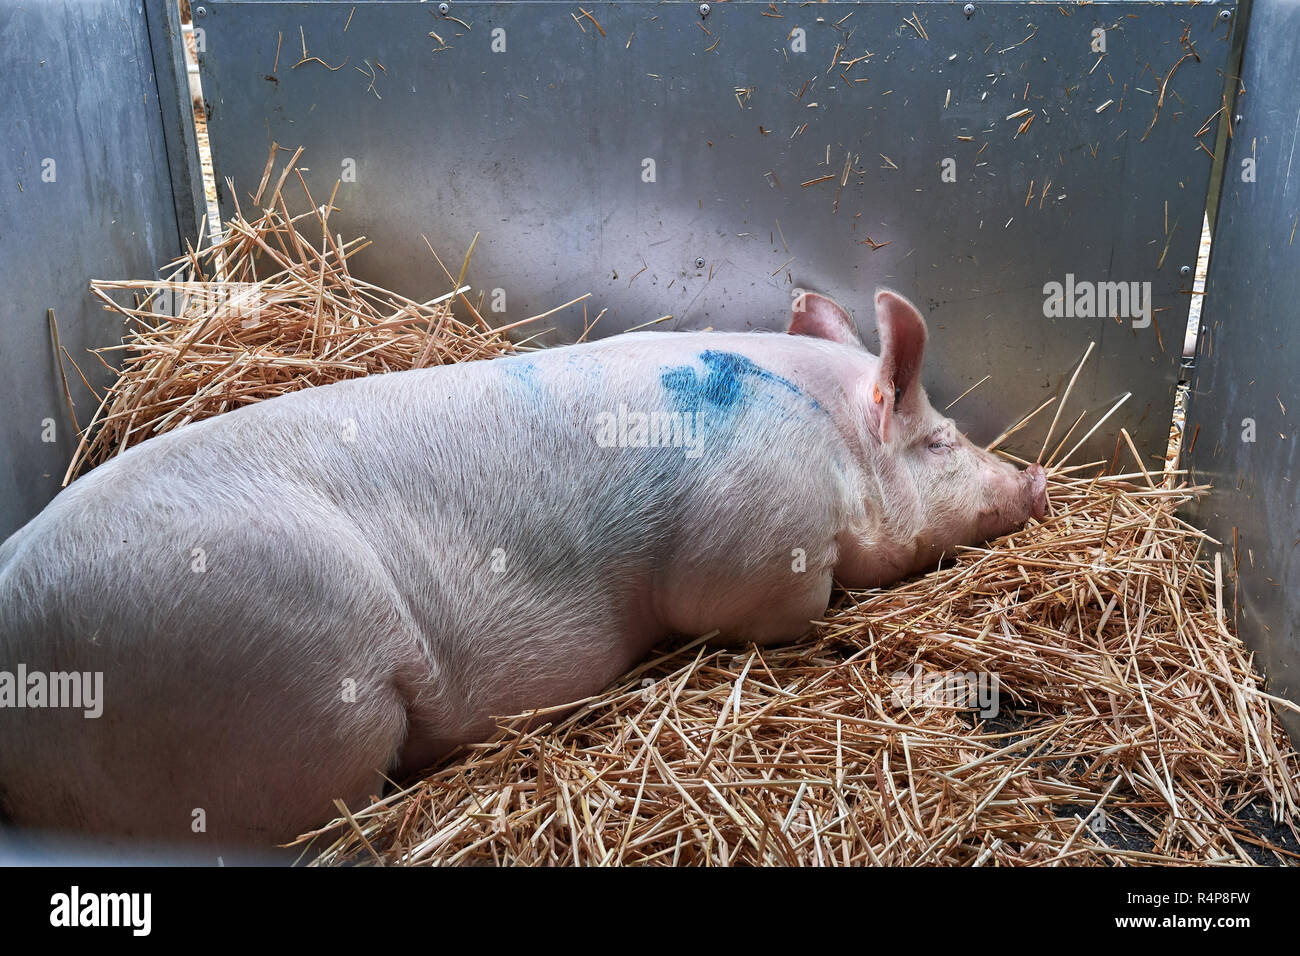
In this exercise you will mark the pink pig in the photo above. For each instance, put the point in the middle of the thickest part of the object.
(290, 601)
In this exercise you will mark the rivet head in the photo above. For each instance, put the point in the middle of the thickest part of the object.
(969, 9)
(699, 262)
(444, 8)
(704, 9)
(200, 11)
(1225, 15)
(1185, 270)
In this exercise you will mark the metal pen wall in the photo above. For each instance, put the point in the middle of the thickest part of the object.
(1245, 410)
(703, 166)
(86, 194)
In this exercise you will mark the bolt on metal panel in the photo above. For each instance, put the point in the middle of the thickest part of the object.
(706, 166)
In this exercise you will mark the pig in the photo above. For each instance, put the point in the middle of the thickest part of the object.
(293, 602)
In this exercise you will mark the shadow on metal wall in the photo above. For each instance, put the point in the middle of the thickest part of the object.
(1245, 409)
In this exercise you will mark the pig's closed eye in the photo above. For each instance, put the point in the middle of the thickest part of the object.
(939, 444)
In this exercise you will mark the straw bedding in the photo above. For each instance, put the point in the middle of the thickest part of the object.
(269, 308)
(1130, 725)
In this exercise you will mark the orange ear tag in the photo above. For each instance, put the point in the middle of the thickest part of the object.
(875, 394)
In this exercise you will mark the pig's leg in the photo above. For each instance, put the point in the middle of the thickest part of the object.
(256, 692)
(787, 617)
(772, 609)
(254, 755)
(561, 651)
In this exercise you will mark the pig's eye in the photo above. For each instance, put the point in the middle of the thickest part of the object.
(939, 443)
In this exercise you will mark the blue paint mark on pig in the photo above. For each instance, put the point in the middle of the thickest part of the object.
(723, 384)
(583, 365)
(521, 369)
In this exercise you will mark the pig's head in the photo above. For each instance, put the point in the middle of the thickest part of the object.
(926, 488)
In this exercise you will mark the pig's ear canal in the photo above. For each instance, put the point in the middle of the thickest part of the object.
(902, 345)
(819, 317)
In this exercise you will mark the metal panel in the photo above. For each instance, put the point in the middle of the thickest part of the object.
(185, 170)
(1245, 410)
(543, 147)
(86, 195)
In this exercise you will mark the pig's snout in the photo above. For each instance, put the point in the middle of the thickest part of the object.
(1036, 481)
(1026, 496)
(1013, 497)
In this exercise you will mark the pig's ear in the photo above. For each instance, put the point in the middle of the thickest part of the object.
(902, 344)
(819, 317)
